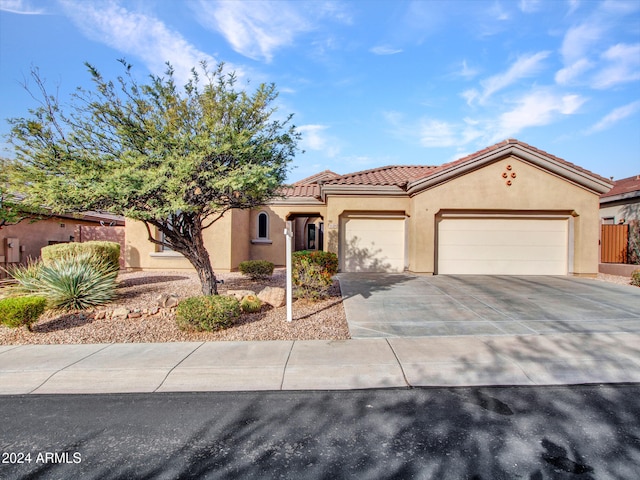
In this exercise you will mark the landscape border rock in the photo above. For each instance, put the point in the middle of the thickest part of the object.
(274, 296)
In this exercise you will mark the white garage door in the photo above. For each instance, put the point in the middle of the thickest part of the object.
(503, 246)
(373, 244)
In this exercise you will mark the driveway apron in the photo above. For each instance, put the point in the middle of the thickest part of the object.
(403, 305)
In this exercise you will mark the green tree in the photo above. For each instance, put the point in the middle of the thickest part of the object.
(11, 210)
(174, 158)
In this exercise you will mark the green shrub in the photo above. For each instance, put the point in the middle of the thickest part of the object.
(108, 252)
(251, 304)
(69, 283)
(312, 273)
(207, 313)
(635, 278)
(18, 311)
(256, 269)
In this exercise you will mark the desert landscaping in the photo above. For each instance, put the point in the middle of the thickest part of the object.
(137, 315)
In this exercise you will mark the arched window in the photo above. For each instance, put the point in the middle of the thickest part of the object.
(263, 226)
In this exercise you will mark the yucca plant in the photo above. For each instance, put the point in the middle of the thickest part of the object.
(69, 283)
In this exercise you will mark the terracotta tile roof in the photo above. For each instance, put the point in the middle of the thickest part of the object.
(513, 141)
(318, 177)
(624, 185)
(402, 175)
(296, 190)
(398, 175)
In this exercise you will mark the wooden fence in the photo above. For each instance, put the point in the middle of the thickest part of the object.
(614, 241)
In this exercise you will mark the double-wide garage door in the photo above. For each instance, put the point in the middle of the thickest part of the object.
(373, 244)
(502, 246)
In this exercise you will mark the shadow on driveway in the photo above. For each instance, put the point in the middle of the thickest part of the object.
(401, 305)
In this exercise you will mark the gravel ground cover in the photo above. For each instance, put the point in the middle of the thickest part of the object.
(138, 291)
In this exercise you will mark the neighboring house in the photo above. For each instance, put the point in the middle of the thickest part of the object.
(508, 209)
(621, 204)
(23, 241)
(619, 237)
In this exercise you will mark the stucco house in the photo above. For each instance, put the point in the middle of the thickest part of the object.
(24, 240)
(509, 209)
(621, 204)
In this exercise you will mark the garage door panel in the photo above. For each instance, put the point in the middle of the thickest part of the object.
(477, 237)
(374, 245)
(508, 252)
(503, 267)
(514, 246)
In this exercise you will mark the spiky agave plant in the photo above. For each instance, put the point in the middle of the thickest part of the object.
(70, 283)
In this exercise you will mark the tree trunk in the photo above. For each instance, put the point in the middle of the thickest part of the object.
(207, 277)
(194, 250)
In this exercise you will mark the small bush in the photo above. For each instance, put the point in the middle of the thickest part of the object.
(69, 283)
(256, 269)
(251, 304)
(207, 313)
(108, 252)
(312, 273)
(635, 278)
(18, 311)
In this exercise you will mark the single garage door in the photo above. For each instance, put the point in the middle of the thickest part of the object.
(373, 244)
(503, 246)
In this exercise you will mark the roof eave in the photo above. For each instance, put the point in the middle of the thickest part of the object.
(385, 190)
(620, 197)
(296, 201)
(583, 179)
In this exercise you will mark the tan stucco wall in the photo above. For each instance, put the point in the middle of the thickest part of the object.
(339, 205)
(275, 251)
(231, 240)
(533, 189)
(142, 254)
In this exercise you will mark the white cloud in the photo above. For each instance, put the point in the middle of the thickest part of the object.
(537, 108)
(314, 138)
(615, 116)
(470, 95)
(525, 66)
(623, 65)
(579, 40)
(21, 7)
(385, 50)
(498, 13)
(436, 133)
(254, 29)
(573, 72)
(530, 6)
(573, 6)
(138, 34)
(466, 71)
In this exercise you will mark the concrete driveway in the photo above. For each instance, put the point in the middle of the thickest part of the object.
(399, 305)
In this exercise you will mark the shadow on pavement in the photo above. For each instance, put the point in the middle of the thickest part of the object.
(489, 433)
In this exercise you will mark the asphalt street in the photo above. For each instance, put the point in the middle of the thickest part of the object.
(491, 433)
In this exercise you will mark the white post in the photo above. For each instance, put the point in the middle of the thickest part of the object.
(288, 233)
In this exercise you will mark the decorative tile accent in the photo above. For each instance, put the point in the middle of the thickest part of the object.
(509, 175)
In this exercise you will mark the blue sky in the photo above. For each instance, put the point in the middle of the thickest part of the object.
(370, 83)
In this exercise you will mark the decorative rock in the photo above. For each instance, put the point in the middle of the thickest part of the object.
(168, 300)
(240, 294)
(100, 315)
(135, 315)
(274, 296)
(154, 310)
(120, 312)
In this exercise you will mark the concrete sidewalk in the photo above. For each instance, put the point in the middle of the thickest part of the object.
(321, 365)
